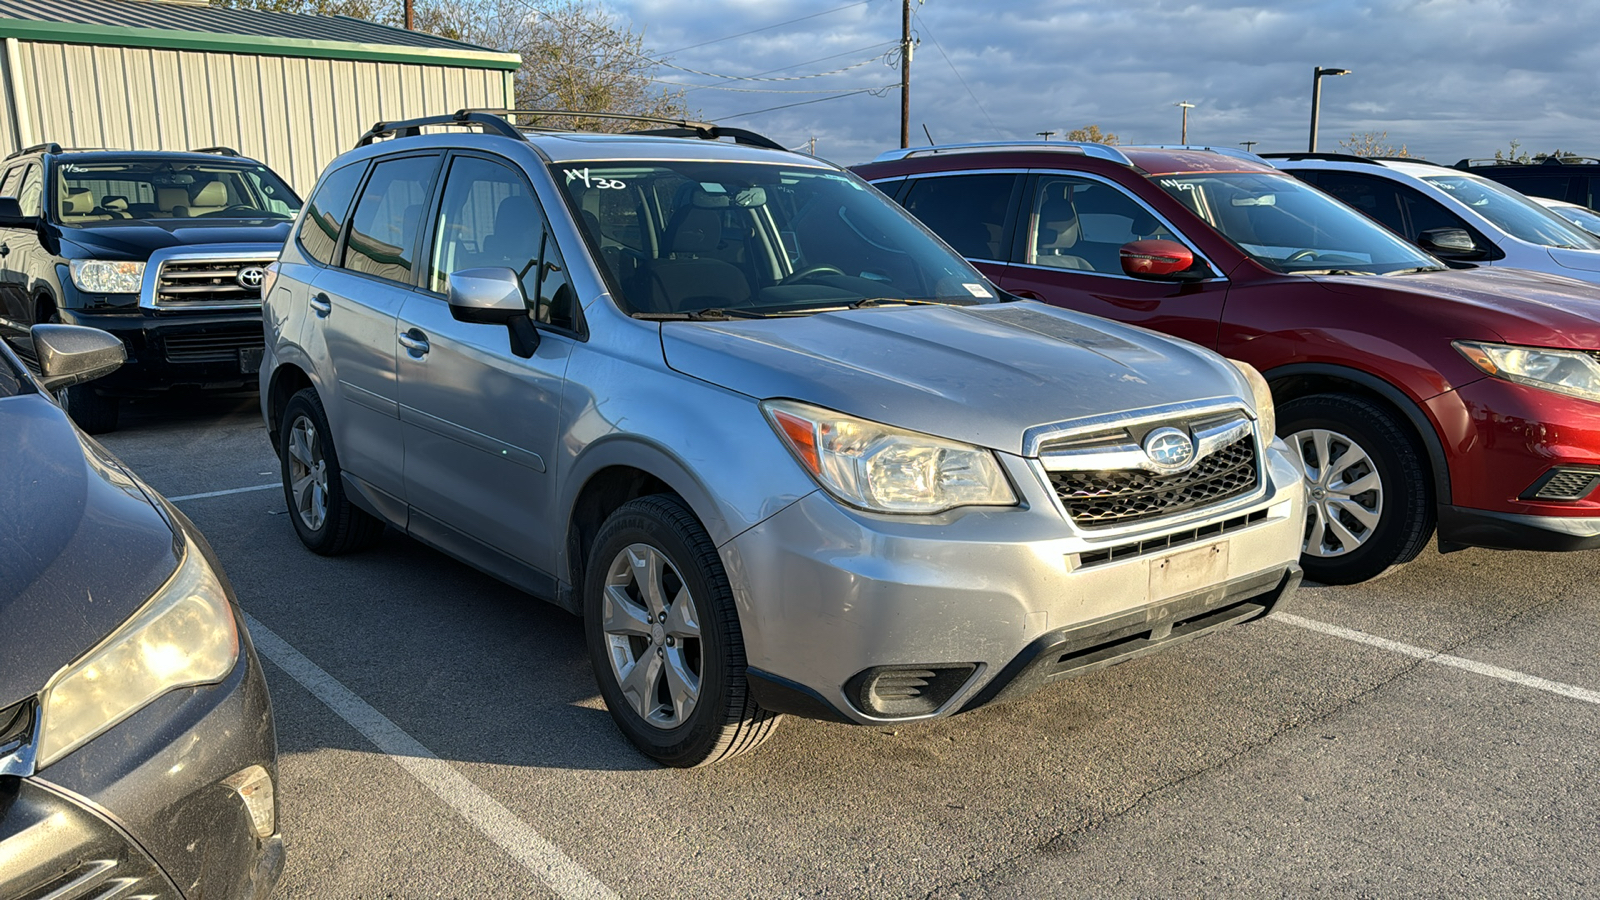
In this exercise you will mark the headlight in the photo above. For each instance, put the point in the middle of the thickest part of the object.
(885, 469)
(1262, 395)
(104, 276)
(1572, 372)
(185, 635)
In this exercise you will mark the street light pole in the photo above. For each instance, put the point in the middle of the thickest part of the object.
(1316, 99)
(1183, 136)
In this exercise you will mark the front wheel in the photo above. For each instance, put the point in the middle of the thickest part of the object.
(664, 637)
(1369, 502)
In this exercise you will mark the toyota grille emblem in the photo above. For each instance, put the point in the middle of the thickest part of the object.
(251, 277)
(1169, 449)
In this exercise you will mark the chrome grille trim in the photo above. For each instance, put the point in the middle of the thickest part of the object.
(205, 282)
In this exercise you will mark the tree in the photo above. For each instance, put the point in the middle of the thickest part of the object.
(1373, 143)
(575, 54)
(1091, 135)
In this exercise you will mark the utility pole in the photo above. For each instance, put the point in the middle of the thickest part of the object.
(1248, 144)
(1183, 136)
(1045, 134)
(813, 149)
(905, 74)
(411, 23)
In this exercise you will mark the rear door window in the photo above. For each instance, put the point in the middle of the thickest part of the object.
(319, 230)
(968, 211)
(386, 220)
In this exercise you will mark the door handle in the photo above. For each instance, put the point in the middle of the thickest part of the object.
(322, 305)
(415, 341)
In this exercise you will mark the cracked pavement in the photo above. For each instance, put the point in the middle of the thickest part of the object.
(1264, 760)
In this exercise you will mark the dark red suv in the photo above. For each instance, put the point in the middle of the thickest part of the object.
(1416, 395)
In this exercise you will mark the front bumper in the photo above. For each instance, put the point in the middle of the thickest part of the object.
(146, 802)
(1465, 527)
(979, 595)
(215, 351)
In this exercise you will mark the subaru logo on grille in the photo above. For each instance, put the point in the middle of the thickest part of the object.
(1169, 449)
(251, 277)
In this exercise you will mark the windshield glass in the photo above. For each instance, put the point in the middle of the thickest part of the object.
(1290, 226)
(1581, 216)
(1514, 213)
(98, 193)
(685, 237)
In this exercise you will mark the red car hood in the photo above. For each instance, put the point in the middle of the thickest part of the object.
(1519, 306)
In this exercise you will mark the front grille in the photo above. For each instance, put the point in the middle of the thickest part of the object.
(1101, 499)
(206, 282)
(207, 348)
(104, 879)
(1166, 542)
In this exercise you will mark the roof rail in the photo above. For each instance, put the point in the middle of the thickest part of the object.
(706, 131)
(220, 151)
(51, 147)
(1086, 148)
(1331, 157)
(1225, 151)
(465, 118)
(1562, 160)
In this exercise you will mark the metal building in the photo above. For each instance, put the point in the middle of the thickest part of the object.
(293, 91)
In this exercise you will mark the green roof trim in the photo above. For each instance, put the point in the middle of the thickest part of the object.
(165, 39)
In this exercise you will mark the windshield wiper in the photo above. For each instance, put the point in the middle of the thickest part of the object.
(707, 315)
(1326, 272)
(903, 301)
(1413, 271)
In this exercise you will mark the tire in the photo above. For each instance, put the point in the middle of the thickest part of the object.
(1353, 535)
(94, 413)
(327, 522)
(689, 620)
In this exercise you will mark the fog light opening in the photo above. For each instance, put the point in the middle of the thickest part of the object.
(897, 692)
(1563, 484)
(254, 787)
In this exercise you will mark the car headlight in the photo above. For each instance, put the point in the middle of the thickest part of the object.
(1572, 372)
(185, 635)
(105, 276)
(885, 469)
(1261, 393)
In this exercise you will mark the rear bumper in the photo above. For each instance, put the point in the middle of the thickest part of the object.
(220, 351)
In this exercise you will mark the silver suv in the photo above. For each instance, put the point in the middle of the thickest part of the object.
(782, 449)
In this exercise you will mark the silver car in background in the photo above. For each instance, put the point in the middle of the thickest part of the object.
(782, 449)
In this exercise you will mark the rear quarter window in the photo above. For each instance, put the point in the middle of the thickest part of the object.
(325, 215)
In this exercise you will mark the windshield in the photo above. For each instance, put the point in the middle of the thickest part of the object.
(747, 238)
(1514, 213)
(1289, 226)
(97, 193)
(1581, 216)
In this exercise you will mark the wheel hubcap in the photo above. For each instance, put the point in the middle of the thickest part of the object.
(1346, 494)
(652, 631)
(308, 474)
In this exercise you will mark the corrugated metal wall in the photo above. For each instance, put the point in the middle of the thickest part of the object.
(294, 114)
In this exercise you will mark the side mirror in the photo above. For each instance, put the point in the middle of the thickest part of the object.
(494, 296)
(11, 215)
(72, 354)
(1156, 260)
(1453, 243)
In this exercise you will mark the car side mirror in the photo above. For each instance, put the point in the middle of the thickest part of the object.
(1157, 260)
(11, 215)
(1451, 243)
(72, 354)
(494, 296)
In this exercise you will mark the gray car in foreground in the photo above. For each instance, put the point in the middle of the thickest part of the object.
(782, 449)
(137, 753)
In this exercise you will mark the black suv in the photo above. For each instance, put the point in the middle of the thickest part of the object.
(1575, 179)
(166, 250)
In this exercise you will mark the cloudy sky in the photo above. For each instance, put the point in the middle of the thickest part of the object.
(1446, 78)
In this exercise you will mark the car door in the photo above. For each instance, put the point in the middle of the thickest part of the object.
(1067, 252)
(19, 252)
(481, 423)
(354, 304)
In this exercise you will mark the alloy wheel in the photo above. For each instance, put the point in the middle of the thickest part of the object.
(652, 630)
(1344, 492)
(308, 473)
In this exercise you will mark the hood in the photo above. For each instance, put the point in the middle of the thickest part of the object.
(979, 374)
(81, 546)
(136, 240)
(1584, 264)
(1518, 306)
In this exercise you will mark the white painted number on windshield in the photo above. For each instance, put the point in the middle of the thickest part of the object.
(604, 184)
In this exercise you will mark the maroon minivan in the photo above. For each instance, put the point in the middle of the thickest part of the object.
(1417, 396)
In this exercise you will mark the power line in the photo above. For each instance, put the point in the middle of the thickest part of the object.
(874, 91)
(957, 72)
(770, 27)
(818, 59)
(757, 78)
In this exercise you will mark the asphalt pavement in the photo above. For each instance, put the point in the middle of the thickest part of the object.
(1430, 733)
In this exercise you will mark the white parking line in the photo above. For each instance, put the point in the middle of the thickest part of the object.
(547, 863)
(245, 490)
(1443, 659)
